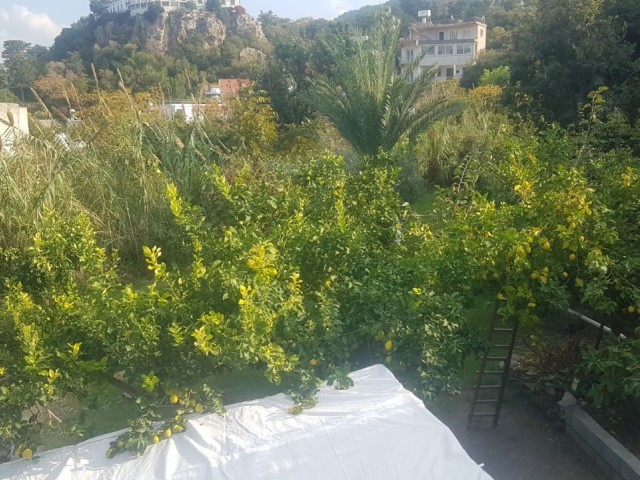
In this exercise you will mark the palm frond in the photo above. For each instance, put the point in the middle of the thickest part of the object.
(370, 102)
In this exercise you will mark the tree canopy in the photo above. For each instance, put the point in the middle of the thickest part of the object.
(369, 101)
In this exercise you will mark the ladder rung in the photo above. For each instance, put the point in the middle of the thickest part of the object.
(501, 342)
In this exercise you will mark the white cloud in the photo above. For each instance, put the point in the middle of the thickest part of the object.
(338, 7)
(17, 22)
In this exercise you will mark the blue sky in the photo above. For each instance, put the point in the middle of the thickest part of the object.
(39, 21)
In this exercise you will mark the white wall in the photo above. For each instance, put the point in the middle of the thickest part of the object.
(189, 111)
(10, 130)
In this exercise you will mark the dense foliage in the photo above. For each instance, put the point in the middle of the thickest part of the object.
(153, 255)
(370, 104)
(297, 273)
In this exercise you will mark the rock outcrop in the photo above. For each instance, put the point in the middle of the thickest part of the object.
(169, 30)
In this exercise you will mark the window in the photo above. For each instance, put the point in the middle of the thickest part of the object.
(440, 35)
(429, 50)
(481, 32)
(453, 35)
(409, 55)
(449, 49)
(441, 50)
(459, 49)
(467, 33)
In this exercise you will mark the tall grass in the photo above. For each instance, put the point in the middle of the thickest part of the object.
(449, 147)
(106, 171)
(117, 161)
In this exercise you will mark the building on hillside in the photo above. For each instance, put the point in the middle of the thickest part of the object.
(449, 47)
(185, 110)
(138, 7)
(14, 123)
(226, 88)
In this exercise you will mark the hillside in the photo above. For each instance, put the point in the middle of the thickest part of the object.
(407, 10)
(203, 43)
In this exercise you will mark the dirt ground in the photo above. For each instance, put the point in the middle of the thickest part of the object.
(527, 445)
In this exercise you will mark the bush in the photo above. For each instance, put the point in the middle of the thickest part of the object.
(612, 373)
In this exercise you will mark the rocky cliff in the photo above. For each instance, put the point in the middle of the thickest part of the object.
(168, 31)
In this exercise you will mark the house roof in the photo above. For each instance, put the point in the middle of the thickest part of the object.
(230, 87)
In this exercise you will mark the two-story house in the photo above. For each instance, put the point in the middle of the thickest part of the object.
(447, 46)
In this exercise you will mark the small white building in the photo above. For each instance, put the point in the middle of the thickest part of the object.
(186, 110)
(138, 7)
(449, 47)
(14, 122)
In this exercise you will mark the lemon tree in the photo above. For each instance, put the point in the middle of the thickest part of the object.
(300, 273)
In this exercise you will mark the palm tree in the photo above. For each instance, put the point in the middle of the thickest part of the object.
(369, 101)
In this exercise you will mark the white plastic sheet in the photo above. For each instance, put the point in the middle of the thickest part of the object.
(375, 430)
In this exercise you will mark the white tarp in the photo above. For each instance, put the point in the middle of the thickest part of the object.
(375, 430)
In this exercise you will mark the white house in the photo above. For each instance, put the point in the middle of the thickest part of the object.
(138, 7)
(14, 122)
(449, 47)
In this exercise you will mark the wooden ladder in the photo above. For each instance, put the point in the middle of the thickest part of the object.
(493, 374)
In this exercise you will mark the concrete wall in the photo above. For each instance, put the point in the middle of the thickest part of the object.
(615, 461)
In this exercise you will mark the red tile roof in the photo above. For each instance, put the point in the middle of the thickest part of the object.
(230, 87)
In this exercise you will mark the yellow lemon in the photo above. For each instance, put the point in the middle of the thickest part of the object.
(27, 454)
(174, 398)
(167, 433)
(155, 439)
(388, 345)
(313, 362)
